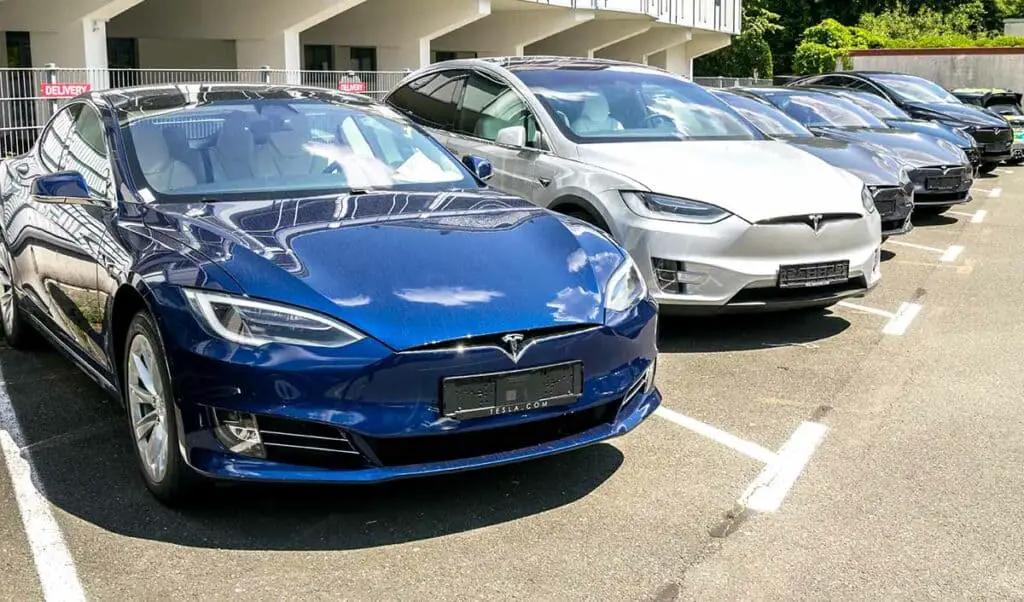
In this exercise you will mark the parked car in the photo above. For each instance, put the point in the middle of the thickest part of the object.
(886, 178)
(941, 172)
(717, 216)
(924, 99)
(899, 119)
(275, 306)
(1005, 103)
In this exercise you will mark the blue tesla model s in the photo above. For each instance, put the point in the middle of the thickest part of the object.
(293, 284)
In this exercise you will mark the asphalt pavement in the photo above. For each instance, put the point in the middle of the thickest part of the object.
(871, 451)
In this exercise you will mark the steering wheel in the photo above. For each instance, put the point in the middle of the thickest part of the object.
(332, 167)
(656, 120)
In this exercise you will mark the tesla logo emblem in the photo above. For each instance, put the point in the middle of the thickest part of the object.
(515, 344)
(815, 220)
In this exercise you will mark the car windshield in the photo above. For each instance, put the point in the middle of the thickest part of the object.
(915, 89)
(816, 110)
(1006, 109)
(876, 105)
(622, 104)
(765, 117)
(274, 148)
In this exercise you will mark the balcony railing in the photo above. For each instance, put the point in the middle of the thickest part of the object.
(713, 15)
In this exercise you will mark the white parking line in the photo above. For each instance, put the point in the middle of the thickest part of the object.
(747, 448)
(951, 254)
(995, 193)
(976, 218)
(867, 310)
(901, 321)
(770, 487)
(910, 245)
(54, 565)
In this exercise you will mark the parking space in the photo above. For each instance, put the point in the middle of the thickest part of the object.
(779, 452)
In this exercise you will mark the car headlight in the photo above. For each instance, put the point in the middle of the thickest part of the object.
(255, 323)
(626, 287)
(659, 206)
(904, 177)
(867, 199)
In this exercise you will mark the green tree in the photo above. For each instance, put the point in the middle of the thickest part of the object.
(749, 53)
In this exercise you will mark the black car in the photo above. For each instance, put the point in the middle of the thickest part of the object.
(899, 119)
(941, 172)
(924, 99)
(888, 180)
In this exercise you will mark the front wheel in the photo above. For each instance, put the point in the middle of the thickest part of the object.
(987, 168)
(152, 419)
(17, 332)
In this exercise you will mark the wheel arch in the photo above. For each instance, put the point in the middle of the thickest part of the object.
(569, 203)
(127, 301)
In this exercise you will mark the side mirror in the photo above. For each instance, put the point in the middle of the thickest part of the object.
(513, 135)
(480, 167)
(62, 187)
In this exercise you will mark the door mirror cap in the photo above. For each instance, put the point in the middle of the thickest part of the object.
(480, 167)
(63, 187)
(513, 135)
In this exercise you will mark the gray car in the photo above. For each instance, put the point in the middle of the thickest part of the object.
(888, 180)
(942, 173)
(717, 216)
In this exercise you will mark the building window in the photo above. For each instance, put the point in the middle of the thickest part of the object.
(451, 55)
(19, 52)
(123, 61)
(317, 57)
(362, 59)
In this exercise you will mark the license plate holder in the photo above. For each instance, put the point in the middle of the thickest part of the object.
(814, 274)
(512, 392)
(943, 183)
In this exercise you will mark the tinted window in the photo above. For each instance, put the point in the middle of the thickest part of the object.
(431, 100)
(915, 89)
(54, 140)
(632, 104)
(488, 105)
(876, 105)
(1006, 108)
(765, 117)
(87, 151)
(812, 109)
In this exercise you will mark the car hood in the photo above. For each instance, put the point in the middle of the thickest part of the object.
(932, 128)
(408, 269)
(777, 179)
(911, 148)
(875, 169)
(967, 114)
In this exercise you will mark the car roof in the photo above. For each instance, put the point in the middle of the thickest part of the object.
(543, 62)
(165, 96)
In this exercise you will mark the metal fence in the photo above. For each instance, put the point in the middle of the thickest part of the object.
(28, 97)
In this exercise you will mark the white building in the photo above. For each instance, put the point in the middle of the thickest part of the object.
(362, 35)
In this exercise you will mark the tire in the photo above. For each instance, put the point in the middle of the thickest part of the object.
(931, 211)
(147, 393)
(987, 168)
(17, 331)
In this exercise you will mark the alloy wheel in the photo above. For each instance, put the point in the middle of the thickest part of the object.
(148, 407)
(6, 294)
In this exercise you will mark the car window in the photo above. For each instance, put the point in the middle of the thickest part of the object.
(431, 100)
(54, 140)
(624, 103)
(87, 151)
(282, 148)
(765, 117)
(822, 110)
(489, 105)
(1006, 109)
(876, 105)
(915, 89)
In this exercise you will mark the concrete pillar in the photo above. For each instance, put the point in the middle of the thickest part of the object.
(638, 49)
(586, 39)
(679, 58)
(281, 51)
(507, 33)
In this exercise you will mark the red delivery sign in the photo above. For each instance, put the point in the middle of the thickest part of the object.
(64, 90)
(358, 87)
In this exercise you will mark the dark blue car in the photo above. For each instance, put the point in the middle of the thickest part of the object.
(298, 285)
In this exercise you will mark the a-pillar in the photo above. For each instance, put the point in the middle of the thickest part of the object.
(401, 30)
(638, 49)
(679, 59)
(508, 33)
(586, 39)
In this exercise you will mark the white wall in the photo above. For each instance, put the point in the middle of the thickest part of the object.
(157, 53)
(1013, 27)
(998, 68)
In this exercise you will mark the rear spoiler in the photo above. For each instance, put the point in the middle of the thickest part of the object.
(1002, 98)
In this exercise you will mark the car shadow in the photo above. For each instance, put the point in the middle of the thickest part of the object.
(744, 332)
(932, 220)
(77, 441)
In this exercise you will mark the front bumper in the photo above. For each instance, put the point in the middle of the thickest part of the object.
(733, 266)
(895, 205)
(366, 413)
(995, 144)
(926, 194)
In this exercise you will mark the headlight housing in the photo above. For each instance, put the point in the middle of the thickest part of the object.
(867, 199)
(904, 177)
(626, 287)
(255, 323)
(659, 206)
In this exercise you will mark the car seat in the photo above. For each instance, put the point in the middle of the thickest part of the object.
(163, 172)
(595, 116)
